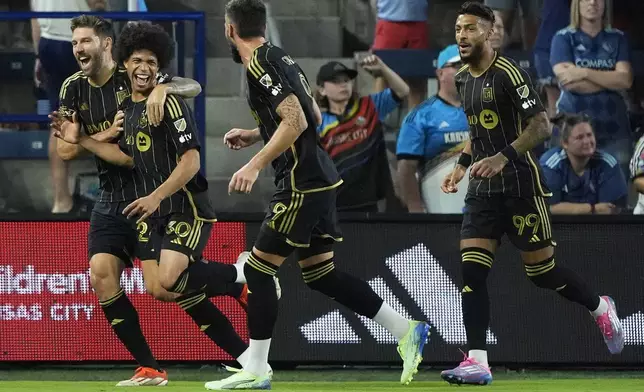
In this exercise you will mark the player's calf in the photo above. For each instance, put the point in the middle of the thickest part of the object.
(105, 275)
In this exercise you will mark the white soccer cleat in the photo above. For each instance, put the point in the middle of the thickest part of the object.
(146, 377)
(237, 370)
(241, 380)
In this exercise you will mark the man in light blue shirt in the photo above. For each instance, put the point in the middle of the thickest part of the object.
(431, 132)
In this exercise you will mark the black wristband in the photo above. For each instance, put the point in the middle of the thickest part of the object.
(510, 153)
(465, 160)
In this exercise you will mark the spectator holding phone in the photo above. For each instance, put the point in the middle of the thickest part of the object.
(592, 63)
(583, 180)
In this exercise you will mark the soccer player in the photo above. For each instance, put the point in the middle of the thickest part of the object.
(506, 193)
(302, 215)
(90, 99)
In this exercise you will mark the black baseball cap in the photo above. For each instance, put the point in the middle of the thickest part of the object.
(330, 70)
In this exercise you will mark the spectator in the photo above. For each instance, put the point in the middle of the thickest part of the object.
(402, 24)
(529, 11)
(555, 15)
(637, 174)
(351, 131)
(582, 179)
(497, 40)
(14, 34)
(52, 44)
(592, 63)
(430, 134)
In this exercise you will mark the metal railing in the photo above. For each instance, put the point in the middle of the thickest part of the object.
(199, 64)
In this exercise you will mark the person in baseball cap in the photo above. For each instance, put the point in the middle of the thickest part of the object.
(351, 131)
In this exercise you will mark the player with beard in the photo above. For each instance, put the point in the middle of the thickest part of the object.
(506, 193)
(90, 100)
(301, 217)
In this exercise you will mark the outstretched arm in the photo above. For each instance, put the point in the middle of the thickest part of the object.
(108, 152)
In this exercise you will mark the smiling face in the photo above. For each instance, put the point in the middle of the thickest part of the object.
(88, 49)
(581, 141)
(142, 67)
(472, 34)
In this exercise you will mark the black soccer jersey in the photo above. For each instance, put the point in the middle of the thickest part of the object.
(96, 107)
(156, 152)
(273, 76)
(497, 104)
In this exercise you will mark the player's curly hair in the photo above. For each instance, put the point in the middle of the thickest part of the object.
(145, 35)
(477, 9)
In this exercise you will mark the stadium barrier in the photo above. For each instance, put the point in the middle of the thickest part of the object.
(48, 312)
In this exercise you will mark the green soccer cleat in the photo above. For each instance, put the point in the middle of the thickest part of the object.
(410, 348)
(241, 380)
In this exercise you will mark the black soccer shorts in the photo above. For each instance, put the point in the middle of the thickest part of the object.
(179, 232)
(526, 221)
(111, 232)
(295, 219)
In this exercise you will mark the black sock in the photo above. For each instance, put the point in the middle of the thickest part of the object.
(233, 290)
(347, 290)
(212, 322)
(124, 319)
(549, 275)
(476, 302)
(204, 276)
(262, 298)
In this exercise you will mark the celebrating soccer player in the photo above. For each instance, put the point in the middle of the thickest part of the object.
(506, 193)
(302, 214)
(90, 99)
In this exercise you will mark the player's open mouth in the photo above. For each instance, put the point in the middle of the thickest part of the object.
(463, 45)
(84, 60)
(142, 80)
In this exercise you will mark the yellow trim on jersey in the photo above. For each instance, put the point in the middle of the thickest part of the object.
(63, 88)
(326, 188)
(336, 239)
(194, 208)
(255, 67)
(463, 68)
(296, 244)
(488, 67)
(174, 107)
(195, 235)
(511, 70)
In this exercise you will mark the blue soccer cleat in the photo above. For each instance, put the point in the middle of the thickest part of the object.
(468, 372)
(410, 348)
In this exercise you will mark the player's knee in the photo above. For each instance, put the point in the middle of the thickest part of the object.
(476, 266)
(321, 276)
(168, 278)
(545, 274)
(105, 275)
(259, 273)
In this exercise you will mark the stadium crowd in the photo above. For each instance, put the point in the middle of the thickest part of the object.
(582, 65)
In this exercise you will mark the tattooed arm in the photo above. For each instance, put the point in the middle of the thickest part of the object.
(537, 131)
(184, 87)
(291, 127)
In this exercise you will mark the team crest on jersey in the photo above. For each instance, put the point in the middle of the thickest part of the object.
(180, 124)
(143, 142)
(122, 95)
(143, 120)
(523, 91)
(488, 96)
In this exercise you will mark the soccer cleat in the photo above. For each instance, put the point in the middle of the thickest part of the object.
(237, 370)
(468, 372)
(410, 348)
(611, 327)
(242, 259)
(146, 377)
(241, 380)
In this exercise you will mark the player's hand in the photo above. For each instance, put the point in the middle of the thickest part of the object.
(64, 129)
(238, 138)
(451, 180)
(489, 167)
(154, 104)
(372, 64)
(143, 207)
(572, 75)
(606, 209)
(243, 180)
(115, 130)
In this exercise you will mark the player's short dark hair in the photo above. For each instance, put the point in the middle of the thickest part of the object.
(102, 27)
(145, 36)
(477, 9)
(249, 16)
(567, 121)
